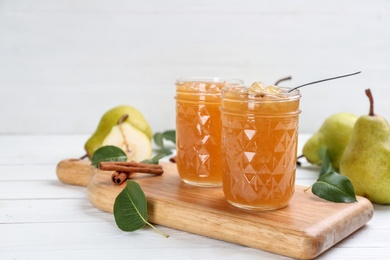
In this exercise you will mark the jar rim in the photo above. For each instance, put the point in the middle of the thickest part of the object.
(244, 90)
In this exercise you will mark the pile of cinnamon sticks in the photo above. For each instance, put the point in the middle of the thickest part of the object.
(123, 170)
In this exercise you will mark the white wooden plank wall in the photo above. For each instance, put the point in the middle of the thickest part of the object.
(64, 63)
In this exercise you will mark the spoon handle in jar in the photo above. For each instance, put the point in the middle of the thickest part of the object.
(322, 80)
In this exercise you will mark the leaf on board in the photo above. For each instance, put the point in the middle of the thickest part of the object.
(334, 187)
(108, 153)
(130, 208)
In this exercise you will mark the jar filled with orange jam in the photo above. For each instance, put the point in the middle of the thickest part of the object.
(259, 145)
(198, 130)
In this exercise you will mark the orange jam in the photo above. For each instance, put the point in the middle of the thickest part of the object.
(198, 130)
(259, 145)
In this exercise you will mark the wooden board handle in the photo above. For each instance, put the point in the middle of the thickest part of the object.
(75, 171)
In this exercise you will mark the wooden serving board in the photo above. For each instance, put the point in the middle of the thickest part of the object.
(305, 229)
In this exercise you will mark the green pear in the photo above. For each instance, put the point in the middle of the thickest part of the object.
(334, 134)
(125, 127)
(366, 159)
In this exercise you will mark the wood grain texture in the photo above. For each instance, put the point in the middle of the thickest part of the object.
(305, 229)
(75, 171)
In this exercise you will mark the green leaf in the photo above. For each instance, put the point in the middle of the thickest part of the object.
(158, 139)
(163, 151)
(170, 135)
(159, 155)
(326, 165)
(334, 187)
(108, 153)
(130, 208)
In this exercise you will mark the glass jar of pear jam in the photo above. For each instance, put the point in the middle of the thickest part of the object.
(259, 145)
(198, 129)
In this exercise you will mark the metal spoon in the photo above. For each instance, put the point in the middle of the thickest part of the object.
(322, 80)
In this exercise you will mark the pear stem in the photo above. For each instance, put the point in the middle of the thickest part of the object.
(299, 157)
(370, 97)
(84, 156)
(282, 79)
(122, 119)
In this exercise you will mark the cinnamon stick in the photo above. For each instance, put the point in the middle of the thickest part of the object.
(119, 177)
(172, 159)
(129, 169)
(129, 164)
(123, 170)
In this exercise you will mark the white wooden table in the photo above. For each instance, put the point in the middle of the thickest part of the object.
(42, 218)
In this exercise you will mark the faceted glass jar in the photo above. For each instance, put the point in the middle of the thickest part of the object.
(259, 147)
(198, 129)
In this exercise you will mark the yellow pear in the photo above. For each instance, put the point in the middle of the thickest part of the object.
(366, 159)
(125, 127)
(334, 134)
